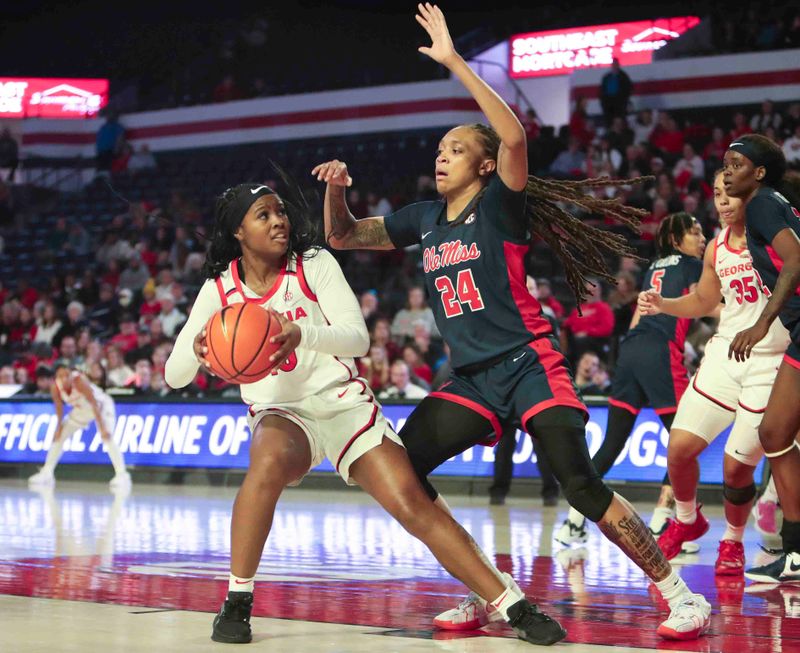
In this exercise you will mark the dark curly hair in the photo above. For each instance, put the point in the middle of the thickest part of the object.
(671, 231)
(223, 246)
(578, 245)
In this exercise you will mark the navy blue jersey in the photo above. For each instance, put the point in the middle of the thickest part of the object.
(767, 214)
(672, 276)
(475, 272)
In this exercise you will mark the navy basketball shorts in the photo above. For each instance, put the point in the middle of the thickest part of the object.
(649, 372)
(530, 379)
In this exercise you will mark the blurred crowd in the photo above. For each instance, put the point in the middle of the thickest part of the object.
(115, 307)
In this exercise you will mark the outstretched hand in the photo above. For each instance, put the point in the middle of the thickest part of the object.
(432, 19)
(333, 173)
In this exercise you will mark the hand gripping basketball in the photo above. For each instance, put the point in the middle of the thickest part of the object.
(287, 340)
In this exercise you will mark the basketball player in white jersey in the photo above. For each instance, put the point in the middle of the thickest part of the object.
(723, 391)
(312, 405)
(88, 402)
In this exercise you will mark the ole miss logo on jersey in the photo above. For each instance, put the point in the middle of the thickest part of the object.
(450, 253)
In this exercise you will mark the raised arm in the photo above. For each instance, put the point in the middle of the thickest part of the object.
(701, 301)
(342, 230)
(512, 159)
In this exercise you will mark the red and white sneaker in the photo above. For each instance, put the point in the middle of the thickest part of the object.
(672, 539)
(766, 517)
(730, 561)
(687, 620)
(473, 612)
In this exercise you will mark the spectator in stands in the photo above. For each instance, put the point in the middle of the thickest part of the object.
(119, 163)
(767, 117)
(23, 335)
(157, 335)
(48, 323)
(375, 367)
(570, 163)
(592, 329)
(649, 225)
(416, 309)
(547, 299)
(79, 240)
(667, 138)
(643, 126)
(9, 154)
(57, 237)
(126, 340)
(380, 334)
(136, 275)
(102, 317)
(602, 160)
(74, 322)
(368, 300)
(142, 379)
(171, 318)
(227, 90)
(740, 126)
(601, 382)
(142, 159)
(27, 294)
(715, 149)
(400, 386)
(665, 189)
(7, 376)
(791, 149)
(193, 270)
(586, 369)
(144, 344)
(113, 247)
(620, 136)
(68, 352)
(377, 205)
(579, 126)
(117, 372)
(150, 306)
(792, 120)
(165, 280)
(109, 138)
(421, 372)
(44, 381)
(615, 92)
(430, 350)
(160, 356)
(689, 166)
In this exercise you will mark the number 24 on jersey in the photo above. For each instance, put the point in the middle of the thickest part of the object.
(464, 293)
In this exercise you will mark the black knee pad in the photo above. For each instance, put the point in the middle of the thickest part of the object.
(738, 496)
(589, 496)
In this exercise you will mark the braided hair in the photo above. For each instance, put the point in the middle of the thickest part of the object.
(579, 246)
(671, 231)
(223, 248)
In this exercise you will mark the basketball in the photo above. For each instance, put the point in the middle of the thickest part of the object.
(237, 337)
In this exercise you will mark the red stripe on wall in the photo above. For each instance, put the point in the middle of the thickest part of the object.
(708, 83)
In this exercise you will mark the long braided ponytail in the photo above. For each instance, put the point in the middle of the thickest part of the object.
(579, 246)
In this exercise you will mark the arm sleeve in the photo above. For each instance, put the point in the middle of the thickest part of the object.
(508, 208)
(182, 364)
(766, 217)
(404, 226)
(345, 334)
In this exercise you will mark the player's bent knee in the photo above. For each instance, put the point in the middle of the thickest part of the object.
(739, 496)
(275, 468)
(773, 439)
(413, 515)
(589, 496)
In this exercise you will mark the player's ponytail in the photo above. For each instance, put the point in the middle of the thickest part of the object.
(581, 247)
(223, 247)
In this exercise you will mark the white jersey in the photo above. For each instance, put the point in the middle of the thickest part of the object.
(311, 293)
(79, 402)
(745, 296)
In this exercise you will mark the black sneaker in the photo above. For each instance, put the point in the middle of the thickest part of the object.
(232, 624)
(534, 626)
(785, 569)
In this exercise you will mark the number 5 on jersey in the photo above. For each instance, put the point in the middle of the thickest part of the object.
(465, 292)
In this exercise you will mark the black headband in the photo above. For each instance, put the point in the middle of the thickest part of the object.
(750, 150)
(244, 196)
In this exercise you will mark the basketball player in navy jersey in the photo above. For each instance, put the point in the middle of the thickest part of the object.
(506, 362)
(755, 171)
(649, 370)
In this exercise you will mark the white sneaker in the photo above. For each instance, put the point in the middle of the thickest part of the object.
(120, 481)
(42, 478)
(785, 569)
(473, 612)
(658, 522)
(570, 533)
(687, 620)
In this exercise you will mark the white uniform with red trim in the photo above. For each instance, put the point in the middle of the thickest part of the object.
(317, 387)
(82, 413)
(724, 390)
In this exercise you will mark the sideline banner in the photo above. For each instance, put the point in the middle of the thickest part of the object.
(216, 435)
